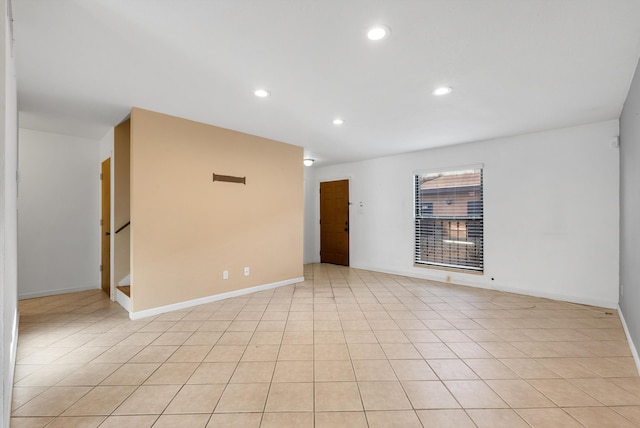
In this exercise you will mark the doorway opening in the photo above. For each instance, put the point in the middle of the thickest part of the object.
(105, 226)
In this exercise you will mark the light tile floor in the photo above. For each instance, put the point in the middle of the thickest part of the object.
(345, 348)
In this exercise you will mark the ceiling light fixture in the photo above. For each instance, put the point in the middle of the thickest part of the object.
(338, 121)
(262, 93)
(443, 90)
(308, 161)
(378, 32)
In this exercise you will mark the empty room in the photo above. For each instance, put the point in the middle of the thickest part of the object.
(303, 213)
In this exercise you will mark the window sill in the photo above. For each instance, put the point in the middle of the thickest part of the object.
(448, 269)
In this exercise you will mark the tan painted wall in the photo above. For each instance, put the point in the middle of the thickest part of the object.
(121, 199)
(186, 229)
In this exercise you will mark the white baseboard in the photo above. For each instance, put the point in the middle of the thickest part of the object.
(461, 279)
(634, 350)
(14, 341)
(123, 300)
(201, 301)
(8, 380)
(45, 293)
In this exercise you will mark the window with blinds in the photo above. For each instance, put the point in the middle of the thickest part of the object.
(449, 219)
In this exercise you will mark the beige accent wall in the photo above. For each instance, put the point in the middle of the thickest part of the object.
(121, 200)
(186, 229)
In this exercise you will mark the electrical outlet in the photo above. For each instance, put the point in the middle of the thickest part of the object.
(246, 271)
(225, 274)
(448, 279)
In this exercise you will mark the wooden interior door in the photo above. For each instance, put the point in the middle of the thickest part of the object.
(334, 222)
(105, 225)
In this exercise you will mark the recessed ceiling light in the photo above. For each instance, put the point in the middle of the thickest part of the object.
(262, 93)
(378, 32)
(443, 90)
(308, 161)
(338, 121)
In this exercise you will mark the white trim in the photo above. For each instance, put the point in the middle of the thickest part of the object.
(123, 300)
(347, 177)
(632, 346)
(209, 299)
(13, 352)
(54, 292)
(468, 281)
(14, 341)
(112, 236)
(448, 169)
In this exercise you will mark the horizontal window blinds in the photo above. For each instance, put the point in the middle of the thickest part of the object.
(449, 219)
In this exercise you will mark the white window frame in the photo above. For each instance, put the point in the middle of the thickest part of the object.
(468, 252)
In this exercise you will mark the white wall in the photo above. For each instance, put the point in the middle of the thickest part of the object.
(106, 146)
(8, 216)
(630, 212)
(310, 254)
(58, 232)
(551, 207)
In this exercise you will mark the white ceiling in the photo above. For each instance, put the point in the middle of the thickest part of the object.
(516, 66)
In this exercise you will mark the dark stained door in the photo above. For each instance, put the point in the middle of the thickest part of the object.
(334, 222)
(105, 224)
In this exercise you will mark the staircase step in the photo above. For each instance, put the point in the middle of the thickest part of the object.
(126, 289)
